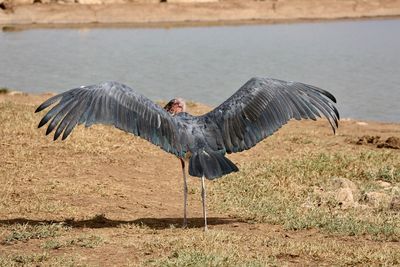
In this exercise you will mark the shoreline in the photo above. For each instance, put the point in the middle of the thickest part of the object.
(177, 24)
(223, 13)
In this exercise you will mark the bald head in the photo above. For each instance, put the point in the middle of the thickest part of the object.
(176, 106)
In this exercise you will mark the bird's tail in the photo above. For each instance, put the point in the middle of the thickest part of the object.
(211, 164)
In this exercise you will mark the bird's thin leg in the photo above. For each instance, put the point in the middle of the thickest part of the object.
(203, 197)
(185, 191)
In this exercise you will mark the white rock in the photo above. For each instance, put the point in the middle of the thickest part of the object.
(345, 198)
(383, 184)
(339, 182)
(16, 93)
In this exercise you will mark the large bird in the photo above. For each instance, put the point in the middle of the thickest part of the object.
(258, 109)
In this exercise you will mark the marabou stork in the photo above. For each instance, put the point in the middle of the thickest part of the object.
(258, 109)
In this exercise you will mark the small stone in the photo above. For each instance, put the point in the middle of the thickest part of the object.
(16, 93)
(383, 184)
(395, 190)
(395, 203)
(377, 199)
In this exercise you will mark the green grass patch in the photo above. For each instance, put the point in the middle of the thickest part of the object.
(90, 241)
(38, 259)
(24, 260)
(25, 232)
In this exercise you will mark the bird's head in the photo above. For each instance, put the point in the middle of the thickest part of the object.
(176, 106)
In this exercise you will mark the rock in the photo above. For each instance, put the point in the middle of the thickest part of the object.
(307, 205)
(395, 190)
(395, 203)
(17, 93)
(338, 183)
(345, 198)
(377, 199)
(383, 184)
(345, 192)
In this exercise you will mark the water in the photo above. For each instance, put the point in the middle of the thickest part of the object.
(358, 61)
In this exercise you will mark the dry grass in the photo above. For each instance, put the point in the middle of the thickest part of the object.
(276, 192)
(105, 198)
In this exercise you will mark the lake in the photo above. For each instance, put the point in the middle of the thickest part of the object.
(357, 61)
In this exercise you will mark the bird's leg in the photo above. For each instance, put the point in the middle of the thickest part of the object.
(185, 191)
(203, 197)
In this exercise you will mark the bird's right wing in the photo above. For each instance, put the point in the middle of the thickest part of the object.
(114, 104)
(263, 105)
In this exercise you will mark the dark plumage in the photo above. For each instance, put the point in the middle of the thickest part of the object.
(258, 109)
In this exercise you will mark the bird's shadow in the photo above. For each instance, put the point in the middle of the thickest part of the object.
(100, 221)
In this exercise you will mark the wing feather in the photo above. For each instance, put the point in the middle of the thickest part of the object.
(263, 105)
(114, 104)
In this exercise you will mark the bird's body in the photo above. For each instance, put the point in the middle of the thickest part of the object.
(258, 109)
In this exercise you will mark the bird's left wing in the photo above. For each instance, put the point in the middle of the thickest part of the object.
(263, 105)
(114, 104)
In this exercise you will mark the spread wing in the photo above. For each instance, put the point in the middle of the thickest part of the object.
(262, 105)
(114, 104)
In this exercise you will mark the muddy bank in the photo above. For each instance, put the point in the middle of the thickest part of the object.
(228, 11)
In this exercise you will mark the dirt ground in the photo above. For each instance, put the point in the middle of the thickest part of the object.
(149, 14)
(107, 198)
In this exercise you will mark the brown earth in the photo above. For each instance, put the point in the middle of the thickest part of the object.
(106, 184)
(391, 142)
(175, 13)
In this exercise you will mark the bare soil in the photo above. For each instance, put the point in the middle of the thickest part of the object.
(147, 14)
(119, 200)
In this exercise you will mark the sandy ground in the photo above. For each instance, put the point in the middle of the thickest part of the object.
(175, 14)
(124, 196)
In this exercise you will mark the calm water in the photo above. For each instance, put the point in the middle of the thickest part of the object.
(358, 61)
